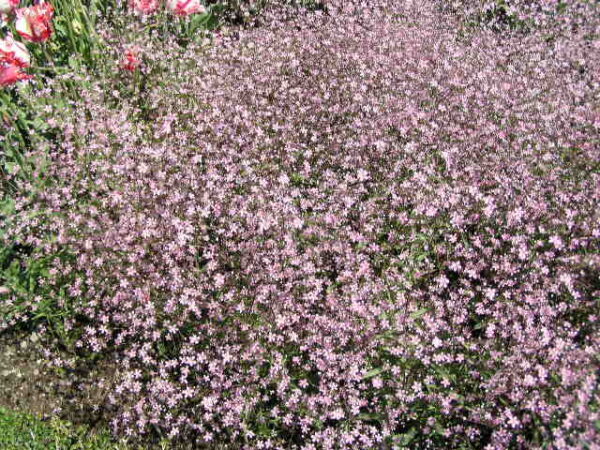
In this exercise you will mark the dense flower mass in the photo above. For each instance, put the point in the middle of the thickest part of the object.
(378, 225)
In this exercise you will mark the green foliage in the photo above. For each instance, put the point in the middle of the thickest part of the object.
(25, 431)
(75, 41)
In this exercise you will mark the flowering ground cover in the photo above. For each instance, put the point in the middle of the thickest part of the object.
(318, 225)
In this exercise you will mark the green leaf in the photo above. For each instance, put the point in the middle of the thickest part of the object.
(405, 439)
(479, 326)
(373, 373)
(420, 313)
(369, 416)
(7, 206)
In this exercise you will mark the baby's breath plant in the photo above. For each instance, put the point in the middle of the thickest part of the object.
(76, 52)
(355, 227)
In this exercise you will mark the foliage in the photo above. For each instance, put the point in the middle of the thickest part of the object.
(23, 431)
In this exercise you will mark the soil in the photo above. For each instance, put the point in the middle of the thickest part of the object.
(28, 384)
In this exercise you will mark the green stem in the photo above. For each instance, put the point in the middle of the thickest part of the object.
(50, 69)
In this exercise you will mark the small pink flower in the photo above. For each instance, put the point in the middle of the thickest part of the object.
(8, 6)
(35, 22)
(131, 60)
(185, 7)
(144, 6)
(10, 74)
(14, 53)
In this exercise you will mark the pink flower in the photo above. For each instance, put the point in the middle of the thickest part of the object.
(14, 53)
(131, 60)
(7, 6)
(35, 22)
(185, 7)
(10, 74)
(144, 6)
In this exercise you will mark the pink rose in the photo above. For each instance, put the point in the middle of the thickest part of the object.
(10, 74)
(185, 7)
(144, 6)
(35, 22)
(14, 53)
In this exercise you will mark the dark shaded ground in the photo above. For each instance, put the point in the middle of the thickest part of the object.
(25, 384)
(28, 384)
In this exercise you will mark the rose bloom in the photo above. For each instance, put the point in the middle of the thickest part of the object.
(14, 52)
(144, 6)
(131, 60)
(10, 74)
(185, 7)
(7, 6)
(35, 22)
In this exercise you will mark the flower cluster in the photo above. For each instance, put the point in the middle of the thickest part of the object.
(372, 226)
(34, 24)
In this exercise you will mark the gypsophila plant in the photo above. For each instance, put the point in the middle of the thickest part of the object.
(356, 228)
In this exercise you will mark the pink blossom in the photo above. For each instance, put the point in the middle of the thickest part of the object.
(144, 6)
(14, 52)
(10, 74)
(131, 59)
(185, 7)
(34, 23)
